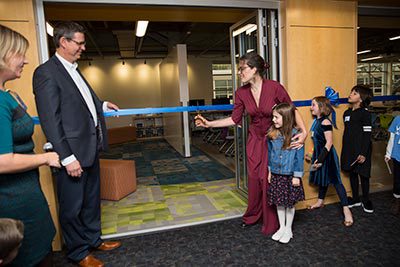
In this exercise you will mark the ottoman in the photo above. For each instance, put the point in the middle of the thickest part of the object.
(117, 178)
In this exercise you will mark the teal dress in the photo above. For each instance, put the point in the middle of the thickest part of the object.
(329, 172)
(21, 196)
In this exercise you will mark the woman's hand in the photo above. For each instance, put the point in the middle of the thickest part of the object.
(296, 181)
(269, 177)
(200, 121)
(52, 159)
(298, 140)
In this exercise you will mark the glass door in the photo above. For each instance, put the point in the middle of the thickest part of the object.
(257, 32)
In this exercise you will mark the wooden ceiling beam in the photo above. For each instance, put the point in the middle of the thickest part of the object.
(86, 12)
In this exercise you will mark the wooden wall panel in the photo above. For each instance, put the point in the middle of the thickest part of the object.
(18, 10)
(321, 13)
(320, 57)
(19, 16)
(320, 45)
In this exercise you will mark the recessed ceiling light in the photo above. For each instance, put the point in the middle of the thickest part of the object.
(243, 29)
(394, 38)
(141, 27)
(49, 29)
(371, 58)
(363, 52)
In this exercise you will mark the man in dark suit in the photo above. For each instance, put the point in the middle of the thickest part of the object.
(71, 116)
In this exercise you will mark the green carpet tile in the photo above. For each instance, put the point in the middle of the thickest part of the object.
(154, 205)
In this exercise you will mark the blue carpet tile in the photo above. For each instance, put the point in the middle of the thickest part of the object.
(157, 158)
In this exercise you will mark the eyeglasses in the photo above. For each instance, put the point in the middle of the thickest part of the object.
(241, 69)
(78, 43)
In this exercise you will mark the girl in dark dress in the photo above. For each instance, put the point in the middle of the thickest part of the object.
(325, 163)
(357, 146)
(285, 169)
(257, 98)
(21, 196)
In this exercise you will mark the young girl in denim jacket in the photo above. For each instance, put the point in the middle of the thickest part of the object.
(285, 169)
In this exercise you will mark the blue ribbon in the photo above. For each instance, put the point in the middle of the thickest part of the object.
(333, 97)
(297, 103)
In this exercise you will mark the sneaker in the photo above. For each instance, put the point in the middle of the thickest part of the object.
(353, 203)
(367, 206)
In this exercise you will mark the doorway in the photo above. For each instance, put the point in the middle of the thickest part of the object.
(261, 38)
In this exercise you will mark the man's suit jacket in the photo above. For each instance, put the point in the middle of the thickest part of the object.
(64, 116)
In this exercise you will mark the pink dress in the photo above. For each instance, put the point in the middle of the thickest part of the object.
(272, 93)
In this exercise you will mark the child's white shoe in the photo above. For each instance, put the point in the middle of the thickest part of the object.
(278, 235)
(286, 237)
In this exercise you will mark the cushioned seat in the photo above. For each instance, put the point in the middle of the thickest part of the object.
(121, 135)
(117, 178)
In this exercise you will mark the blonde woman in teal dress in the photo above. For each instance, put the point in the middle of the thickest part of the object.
(21, 196)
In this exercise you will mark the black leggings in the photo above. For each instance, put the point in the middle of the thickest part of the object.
(339, 190)
(354, 182)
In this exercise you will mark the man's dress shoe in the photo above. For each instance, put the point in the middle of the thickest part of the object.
(90, 261)
(110, 245)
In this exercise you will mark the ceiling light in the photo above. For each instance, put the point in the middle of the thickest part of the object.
(363, 52)
(250, 50)
(49, 29)
(394, 38)
(243, 29)
(371, 58)
(141, 27)
(252, 29)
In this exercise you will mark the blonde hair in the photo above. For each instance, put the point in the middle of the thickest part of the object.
(11, 43)
(11, 235)
(287, 111)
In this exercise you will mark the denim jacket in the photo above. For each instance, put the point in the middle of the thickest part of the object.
(285, 161)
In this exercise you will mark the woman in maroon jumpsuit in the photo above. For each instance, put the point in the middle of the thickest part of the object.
(257, 97)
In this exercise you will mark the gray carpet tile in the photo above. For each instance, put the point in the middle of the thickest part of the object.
(320, 239)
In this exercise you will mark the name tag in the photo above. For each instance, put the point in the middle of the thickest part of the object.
(347, 118)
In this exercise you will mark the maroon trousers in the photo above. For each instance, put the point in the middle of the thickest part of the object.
(257, 167)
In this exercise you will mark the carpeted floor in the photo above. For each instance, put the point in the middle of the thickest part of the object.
(172, 190)
(159, 159)
(154, 206)
(320, 239)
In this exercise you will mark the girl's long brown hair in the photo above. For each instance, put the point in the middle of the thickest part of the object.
(287, 111)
